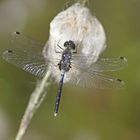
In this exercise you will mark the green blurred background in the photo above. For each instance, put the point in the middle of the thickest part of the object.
(84, 114)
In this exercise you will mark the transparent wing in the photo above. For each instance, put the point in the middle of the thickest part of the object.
(101, 65)
(109, 64)
(96, 80)
(24, 43)
(92, 76)
(34, 64)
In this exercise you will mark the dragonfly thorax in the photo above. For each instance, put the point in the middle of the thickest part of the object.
(65, 62)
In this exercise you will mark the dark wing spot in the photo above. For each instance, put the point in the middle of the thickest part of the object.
(18, 33)
(122, 57)
(119, 80)
(9, 51)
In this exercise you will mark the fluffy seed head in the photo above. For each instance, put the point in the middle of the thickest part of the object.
(76, 23)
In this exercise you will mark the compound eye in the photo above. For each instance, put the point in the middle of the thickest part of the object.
(72, 44)
(66, 43)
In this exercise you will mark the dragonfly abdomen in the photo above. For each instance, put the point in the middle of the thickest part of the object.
(59, 91)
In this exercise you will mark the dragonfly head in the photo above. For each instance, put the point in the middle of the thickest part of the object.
(69, 44)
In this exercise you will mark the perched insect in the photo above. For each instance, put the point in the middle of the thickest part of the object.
(27, 54)
(70, 55)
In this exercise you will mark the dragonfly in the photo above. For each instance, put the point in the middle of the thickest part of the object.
(27, 55)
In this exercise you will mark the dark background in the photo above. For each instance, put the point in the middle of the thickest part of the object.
(84, 114)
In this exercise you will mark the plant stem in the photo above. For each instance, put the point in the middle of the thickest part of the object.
(35, 100)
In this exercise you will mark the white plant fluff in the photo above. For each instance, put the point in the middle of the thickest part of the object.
(77, 24)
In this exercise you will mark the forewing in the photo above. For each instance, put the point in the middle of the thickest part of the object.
(22, 42)
(101, 65)
(34, 64)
